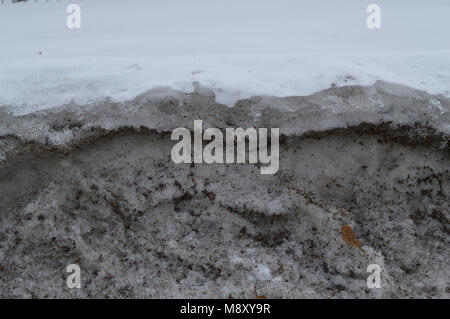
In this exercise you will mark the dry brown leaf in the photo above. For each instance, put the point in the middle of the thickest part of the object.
(349, 236)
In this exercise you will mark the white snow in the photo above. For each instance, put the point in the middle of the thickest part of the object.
(262, 272)
(237, 48)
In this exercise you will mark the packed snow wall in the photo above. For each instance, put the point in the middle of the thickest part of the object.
(95, 185)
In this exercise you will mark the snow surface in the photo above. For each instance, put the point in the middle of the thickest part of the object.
(237, 48)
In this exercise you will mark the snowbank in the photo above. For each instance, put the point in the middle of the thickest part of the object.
(95, 185)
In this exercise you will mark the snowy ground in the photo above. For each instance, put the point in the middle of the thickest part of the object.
(239, 49)
(89, 180)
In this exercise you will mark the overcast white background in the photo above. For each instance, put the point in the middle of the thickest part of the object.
(238, 48)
